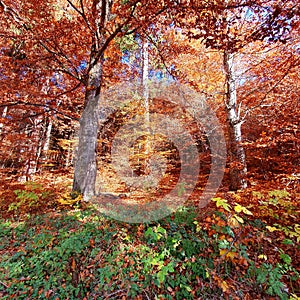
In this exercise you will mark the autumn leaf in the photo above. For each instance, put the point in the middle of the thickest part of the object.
(222, 203)
(229, 254)
(224, 286)
(238, 218)
(263, 256)
(233, 222)
(271, 229)
(239, 208)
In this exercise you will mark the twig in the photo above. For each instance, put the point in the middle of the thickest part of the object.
(116, 292)
(146, 295)
(45, 106)
(5, 285)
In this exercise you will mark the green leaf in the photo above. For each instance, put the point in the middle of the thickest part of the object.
(239, 208)
(239, 219)
(286, 258)
(222, 203)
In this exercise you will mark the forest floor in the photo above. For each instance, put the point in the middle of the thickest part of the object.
(242, 245)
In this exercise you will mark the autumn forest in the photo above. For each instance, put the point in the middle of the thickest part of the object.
(149, 149)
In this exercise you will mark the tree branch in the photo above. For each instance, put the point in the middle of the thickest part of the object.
(113, 35)
(270, 90)
(45, 106)
(82, 14)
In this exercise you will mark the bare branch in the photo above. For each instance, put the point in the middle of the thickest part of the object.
(48, 109)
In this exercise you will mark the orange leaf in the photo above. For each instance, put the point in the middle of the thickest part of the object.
(224, 286)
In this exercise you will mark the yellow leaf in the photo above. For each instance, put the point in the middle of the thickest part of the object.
(63, 201)
(294, 297)
(263, 256)
(231, 255)
(66, 199)
(228, 254)
(223, 251)
(222, 203)
(271, 229)
(247, 212)
(233, 222)
(239, 219)
(198, 227)
(224, 286)
(238, 208)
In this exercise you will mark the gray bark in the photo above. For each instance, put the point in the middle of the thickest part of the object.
(3, 116)
(145, 89)
(86, 162)
(238, 166)
(145, 79)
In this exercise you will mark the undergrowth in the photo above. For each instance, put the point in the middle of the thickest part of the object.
(224, 253)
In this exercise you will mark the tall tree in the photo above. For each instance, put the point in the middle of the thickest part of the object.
(238, 166)
(234, 25)
(73, 38)
(69, 37)
(86, 166)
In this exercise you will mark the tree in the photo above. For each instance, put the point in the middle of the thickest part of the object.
(238, 166)
(77, 41)
(71, 38)
(86, 166)
(234, 25)
(270, 96)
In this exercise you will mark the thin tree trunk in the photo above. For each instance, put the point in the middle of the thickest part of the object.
(34, 149)
(145, 79)
(41, 136)
(4, 113)
(68, 158)
(238, 166)
(145, 89)
(47, 140)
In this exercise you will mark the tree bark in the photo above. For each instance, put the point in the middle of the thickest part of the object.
(4, 113)
(145, 79)
(46, 146)
(238, 166)
(145, 89)
(86, 163)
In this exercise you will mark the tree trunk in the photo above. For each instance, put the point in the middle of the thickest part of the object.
(46, 146)
(86, 163)
(4, 113)
(69, 154)
(35, 134)
(145, 79)
(145, 89)
(238, 167)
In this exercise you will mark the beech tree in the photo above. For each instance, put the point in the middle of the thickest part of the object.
(71, 38)
(77, 40)
(271, 96)
(233, 26)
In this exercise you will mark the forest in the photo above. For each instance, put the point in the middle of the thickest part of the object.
(149, 149)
